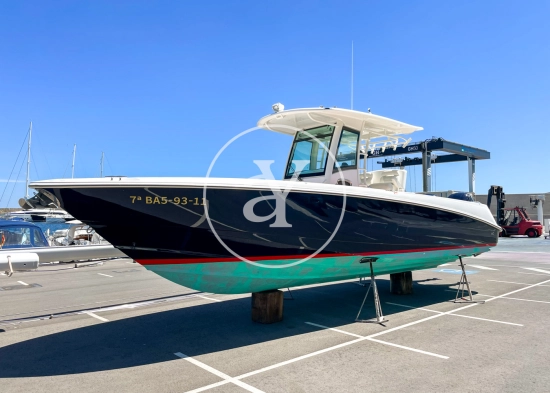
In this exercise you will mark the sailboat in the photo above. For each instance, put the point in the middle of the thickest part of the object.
(39, 208)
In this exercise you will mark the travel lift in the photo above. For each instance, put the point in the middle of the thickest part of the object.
(456, 152)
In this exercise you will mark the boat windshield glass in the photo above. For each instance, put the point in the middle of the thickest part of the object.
(21, 237)
(346, 157)
(309, 153)
(39, 239)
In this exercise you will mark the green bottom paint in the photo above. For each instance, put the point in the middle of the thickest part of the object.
(243, 277)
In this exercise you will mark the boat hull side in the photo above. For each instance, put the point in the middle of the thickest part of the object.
(166, 229)
(243, 277)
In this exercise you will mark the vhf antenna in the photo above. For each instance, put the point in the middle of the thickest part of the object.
(351, 74)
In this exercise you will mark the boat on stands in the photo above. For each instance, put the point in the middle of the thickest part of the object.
(320, 223)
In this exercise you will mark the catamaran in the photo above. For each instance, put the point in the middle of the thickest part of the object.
(320, 223)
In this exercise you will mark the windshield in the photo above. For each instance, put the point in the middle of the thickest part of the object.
(346, 156)
(309, 153)
(21, 237)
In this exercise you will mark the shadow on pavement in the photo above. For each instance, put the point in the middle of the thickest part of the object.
(197, 330)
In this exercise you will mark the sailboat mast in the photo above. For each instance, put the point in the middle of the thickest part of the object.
(74, 155)
(102, 158)
(28, 162)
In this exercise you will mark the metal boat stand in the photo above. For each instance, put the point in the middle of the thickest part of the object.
(379, 316)
(289, 298)
(463, 284)
(362, 282)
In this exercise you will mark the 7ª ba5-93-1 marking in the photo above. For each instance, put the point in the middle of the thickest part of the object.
(160, 200)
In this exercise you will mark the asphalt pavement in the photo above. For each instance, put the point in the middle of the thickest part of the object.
(118, 327)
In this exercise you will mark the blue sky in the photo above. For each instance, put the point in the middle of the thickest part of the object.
(161, 86)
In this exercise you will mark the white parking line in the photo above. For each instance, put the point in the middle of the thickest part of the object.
(22, 283)
(527, 300)
(351, 342)
(421, 320)
(521, 267)
(537, 270)
(455, 315)
(517, 290)
(505, 296)
(408, 348)
(481, 267)
(218, 373)
(534, 274)
(414, 308)
(458, 309)
(519, 283)
(106, 275)
(209, 298)
(309, 355)
(485, 319)
(96, 316)
(380, 341)
(524, 300)
(335, 330)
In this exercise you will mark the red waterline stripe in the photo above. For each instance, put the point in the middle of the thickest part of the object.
(176, 261)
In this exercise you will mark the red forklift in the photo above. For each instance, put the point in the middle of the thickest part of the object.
(513, 221)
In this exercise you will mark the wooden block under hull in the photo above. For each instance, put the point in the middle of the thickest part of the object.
(267, 306)
(401, 283)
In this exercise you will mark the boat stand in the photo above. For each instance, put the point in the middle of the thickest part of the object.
(289, 298)
(362, 282)
(379, 316)
(463, 285)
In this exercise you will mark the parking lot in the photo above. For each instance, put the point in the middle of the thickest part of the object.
(118, 327)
